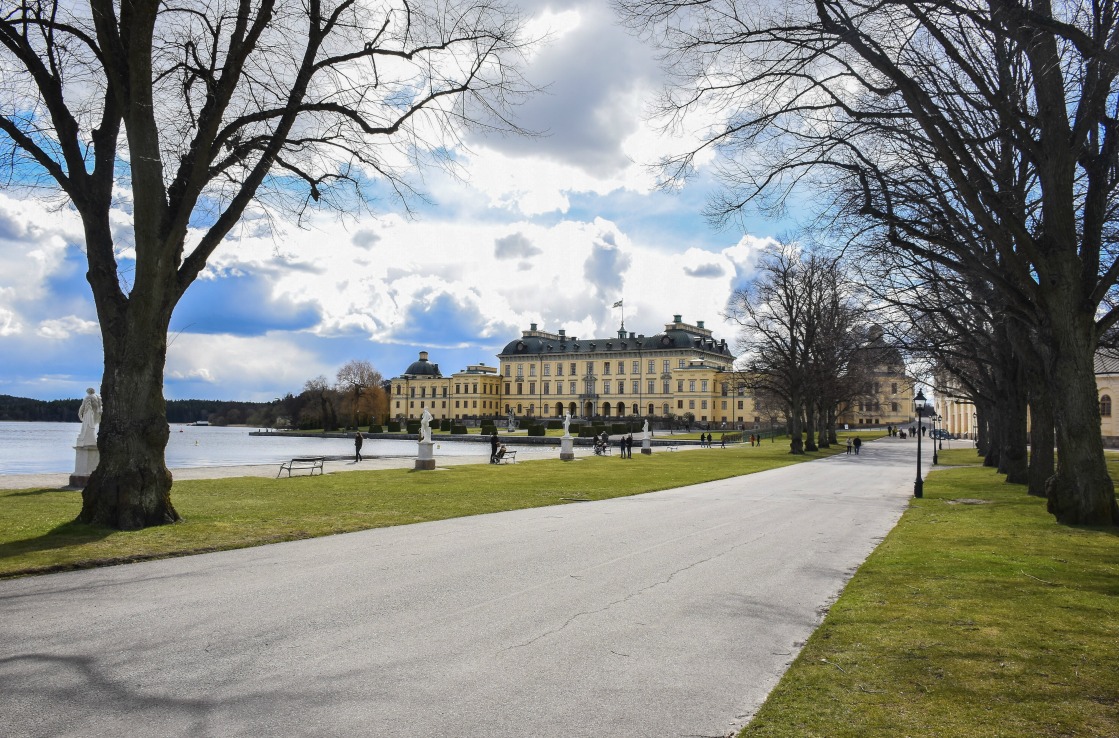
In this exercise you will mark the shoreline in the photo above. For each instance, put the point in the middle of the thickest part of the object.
(332, 465)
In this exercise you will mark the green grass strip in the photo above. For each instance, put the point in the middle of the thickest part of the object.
(978, 616)
(37, 534)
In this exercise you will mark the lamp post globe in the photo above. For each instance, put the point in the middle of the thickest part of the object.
(919, 405)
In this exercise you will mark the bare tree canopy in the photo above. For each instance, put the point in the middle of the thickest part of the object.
(916, 122)
(205, 111)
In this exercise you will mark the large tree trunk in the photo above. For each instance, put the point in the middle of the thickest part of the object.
(1013, 456)
(131, 487)
(1081, 492)
(1041, 442)
(796, 420)
(810, 426)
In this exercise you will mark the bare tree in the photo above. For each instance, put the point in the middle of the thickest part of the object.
(357, 379)
(1001, 112)
(319, 391)
(205, 111)
(799, 336)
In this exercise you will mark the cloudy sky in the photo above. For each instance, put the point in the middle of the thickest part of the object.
(552, 230)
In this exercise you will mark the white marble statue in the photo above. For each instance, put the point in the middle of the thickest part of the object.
(566, 424)
(425, 426)
(90, 415)
(645, 431)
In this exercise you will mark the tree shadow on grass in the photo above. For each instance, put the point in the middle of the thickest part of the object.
(59, 537)
(43, 491)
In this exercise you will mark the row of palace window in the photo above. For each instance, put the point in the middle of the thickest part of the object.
(876, 407)
(465, 404)
(1105, 406)
(874, 388)
(470, 389)
(606, 407)
(620, 409)
(619, 367)
(608, 387)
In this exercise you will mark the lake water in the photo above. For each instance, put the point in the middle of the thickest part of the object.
(40, 448)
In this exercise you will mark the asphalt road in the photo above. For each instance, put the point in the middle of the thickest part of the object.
(667, 614)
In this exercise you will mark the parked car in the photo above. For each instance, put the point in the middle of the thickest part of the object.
(940, 434)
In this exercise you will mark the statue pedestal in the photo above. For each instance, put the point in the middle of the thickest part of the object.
(567, 448)
(426, 458)
(86, 459)
(646, 446)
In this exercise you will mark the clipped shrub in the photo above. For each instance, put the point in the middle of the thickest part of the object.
(445, 424)
(374, 428)
(617, 428)
(413, 426)
(536, 430)
(458, 430)
(394, 426)
(555, 425)
(587, 432)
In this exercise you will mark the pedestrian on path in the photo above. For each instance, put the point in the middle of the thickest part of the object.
(358, 440)
(858, 443)
(848, 446)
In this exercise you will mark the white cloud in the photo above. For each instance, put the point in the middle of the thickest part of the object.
(253, 367)
(63, 328)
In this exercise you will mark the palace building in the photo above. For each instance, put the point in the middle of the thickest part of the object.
(682, 369)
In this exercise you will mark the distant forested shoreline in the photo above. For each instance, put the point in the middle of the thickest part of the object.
(215, 412)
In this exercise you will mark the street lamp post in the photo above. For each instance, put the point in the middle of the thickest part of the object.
(932, 436)
(919, 404)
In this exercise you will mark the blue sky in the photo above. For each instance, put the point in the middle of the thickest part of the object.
(551, 230)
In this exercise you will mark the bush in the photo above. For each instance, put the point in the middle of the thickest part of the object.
(458, 430)
(555, 425)
(445, 424)
(617, 428)
(373, 428)
(585, 432)
(394, 426)
(536, 430)
(413, 427)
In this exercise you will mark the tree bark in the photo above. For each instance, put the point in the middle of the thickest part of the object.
(131, 487)
(810, 426)
(1081, 491)
(1042, 463)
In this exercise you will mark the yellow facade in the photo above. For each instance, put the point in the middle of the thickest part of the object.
(683, 369)
(474, 391)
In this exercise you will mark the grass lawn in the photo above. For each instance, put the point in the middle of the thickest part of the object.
(36, 534)
(978, 616)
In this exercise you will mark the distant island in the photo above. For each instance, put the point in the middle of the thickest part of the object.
(212, 412)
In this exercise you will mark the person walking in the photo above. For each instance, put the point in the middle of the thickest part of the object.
(848, 446)
(629, 445)
(622, 446)
(358, 440)
(493, 447)
(858, 444)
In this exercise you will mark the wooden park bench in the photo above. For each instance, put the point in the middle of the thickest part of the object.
(302, 462)
(509, 457)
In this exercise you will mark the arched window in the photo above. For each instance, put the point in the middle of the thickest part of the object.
(1105, 406)
(664, 409)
